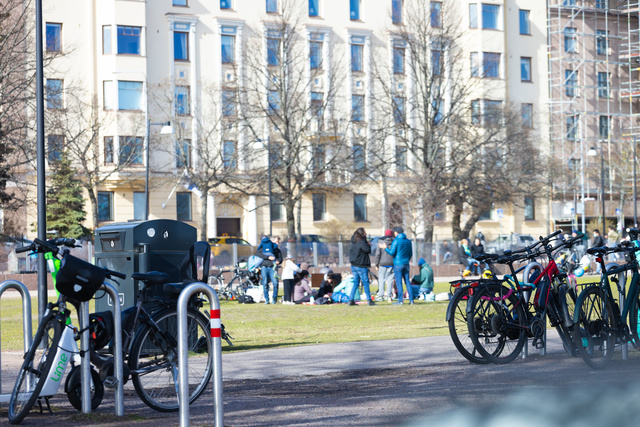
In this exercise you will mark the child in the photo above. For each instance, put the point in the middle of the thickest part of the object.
(288, 271)
(301, 287)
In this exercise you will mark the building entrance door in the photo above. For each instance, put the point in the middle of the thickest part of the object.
(229, 227)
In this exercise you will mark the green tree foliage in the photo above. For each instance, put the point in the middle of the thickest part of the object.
(65, 204)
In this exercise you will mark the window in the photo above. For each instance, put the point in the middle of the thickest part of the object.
(277, 209)
(436, 14)
(398, 60)
(356, 57)
(473, 15)
(130, 150)
(53, 37)
(228, 49)
(603, 84)
(106, 39)
(179, 2)
(525, 25)
(525, 69)
(108, 150)
(360, 207)
(317, 105)
(396, 11)
(273, 52)
(398, 109)
(105, 206)
(475, 64)
(319, 206)
(437, 106)
(569, 3)
(315, 55)
(318, 158)
(604, 127)
(401, 159)
(55, 145)
(354, 10)
(476, 115)
(601, 4)
(572, 127)
(273, 99)
(490, 64)
(129, 40)
(358, 157)
(436, 62)
(601, 42)
(180, 46)
(570, 40)
(529, 209)
(570, 82)
(139, 205)
(527, 115)
(129, 95)
(225, 4)
(182, 100)
(54, 94)
(492, 112)
(357, 108)
(314, 7)
(272, 6)
(490, 15)
(109, 102)
(183, 206)
(228, 103)
(229, 155)
(183, 153)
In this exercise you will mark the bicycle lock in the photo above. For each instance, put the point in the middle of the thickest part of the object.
(183, 352)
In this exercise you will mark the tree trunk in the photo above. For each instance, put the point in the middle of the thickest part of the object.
(384, 203)
(456, 231)
(299, 223)
(94, 207)
(203, 214)
(289, 206)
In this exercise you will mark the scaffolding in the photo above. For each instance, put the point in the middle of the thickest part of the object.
(594, 94)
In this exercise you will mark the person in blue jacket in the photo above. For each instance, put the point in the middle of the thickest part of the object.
(401, 251)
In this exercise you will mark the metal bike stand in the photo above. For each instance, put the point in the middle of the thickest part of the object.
(26, 323)
(621, 296)
(117, 353)
(183, 352)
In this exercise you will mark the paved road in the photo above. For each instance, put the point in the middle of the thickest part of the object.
(393, 382)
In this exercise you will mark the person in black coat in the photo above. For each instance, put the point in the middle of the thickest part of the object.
(359, 256)
(598, 241)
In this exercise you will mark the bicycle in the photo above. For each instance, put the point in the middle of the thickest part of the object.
(242, 280)
(54, 344)
(598, 323)
(501, 316)
(216, 281)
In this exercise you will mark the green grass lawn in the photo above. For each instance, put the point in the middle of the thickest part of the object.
(255, 326)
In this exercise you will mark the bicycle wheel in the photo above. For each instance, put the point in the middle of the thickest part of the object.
(496, 322)
(458, 328)
(36, 366)
(594, 330)
(154, 359)
(73, 388)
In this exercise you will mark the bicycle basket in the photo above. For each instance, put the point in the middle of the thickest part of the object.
(77, 279)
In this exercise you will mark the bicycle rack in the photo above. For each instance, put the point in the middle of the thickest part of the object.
(117, 353)
(216, 356)
(26, 323)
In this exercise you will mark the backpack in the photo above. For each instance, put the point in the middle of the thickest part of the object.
(245, 299)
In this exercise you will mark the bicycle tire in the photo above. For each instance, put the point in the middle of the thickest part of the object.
(497, 323)
(236, 286)
(73, 387)
(459, 329)
(153, 360)
(594, 330)
(37, 362)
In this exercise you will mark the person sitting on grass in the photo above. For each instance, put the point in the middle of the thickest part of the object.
(422, 283)
(302, 292)
(327, 285)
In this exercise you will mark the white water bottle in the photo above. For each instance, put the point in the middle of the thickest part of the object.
(312, 300)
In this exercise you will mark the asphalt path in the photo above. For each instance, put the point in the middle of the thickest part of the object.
(394, 382)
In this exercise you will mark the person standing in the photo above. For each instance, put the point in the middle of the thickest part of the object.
(402, 252)
(267, 252)
(288, 274)
(360, 262)
(384, 264)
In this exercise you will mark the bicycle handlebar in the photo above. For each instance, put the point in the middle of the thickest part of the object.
(110, 273)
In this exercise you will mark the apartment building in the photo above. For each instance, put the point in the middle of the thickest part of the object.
(210, 69)
(593, 74)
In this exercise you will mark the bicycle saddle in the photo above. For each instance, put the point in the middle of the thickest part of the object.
(598, 251)
(152, 277)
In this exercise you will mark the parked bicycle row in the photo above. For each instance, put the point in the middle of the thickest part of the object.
(149, 335)
(491, 319)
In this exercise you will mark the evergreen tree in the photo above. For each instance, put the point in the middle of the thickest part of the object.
(65, 204)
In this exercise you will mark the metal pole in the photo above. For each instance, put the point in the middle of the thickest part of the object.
(146, 178)
(602, 181)
(183, 352)
(41, 183)
(635, 195)
(269, 172)
(85, 366)
(117, 350)
(26, 315)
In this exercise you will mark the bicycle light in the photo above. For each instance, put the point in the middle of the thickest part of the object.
(598, 259)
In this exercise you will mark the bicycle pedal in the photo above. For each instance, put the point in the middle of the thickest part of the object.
(110, 382)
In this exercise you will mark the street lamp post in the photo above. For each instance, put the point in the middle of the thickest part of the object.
(635, 196)
(592, 152)
(260, 144)
(166, 130)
